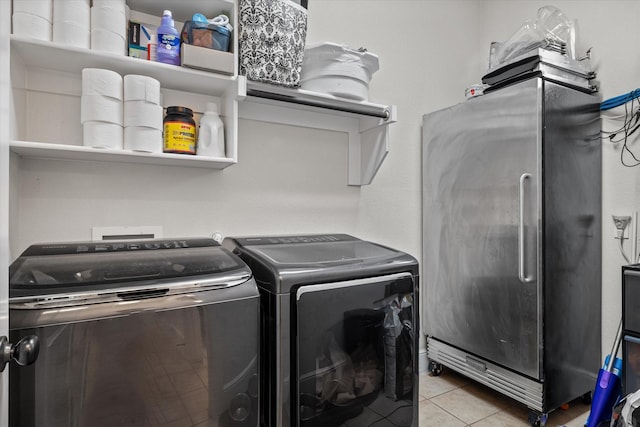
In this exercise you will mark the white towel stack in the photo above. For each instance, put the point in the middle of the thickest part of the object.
(142, 114)
(109, 26)
(101, 110)
(32, 18)
(72, 22)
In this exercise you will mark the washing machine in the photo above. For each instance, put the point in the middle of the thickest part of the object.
(135, 333)
(339, 330)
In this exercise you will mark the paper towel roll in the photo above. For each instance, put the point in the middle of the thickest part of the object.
(102, 135)
(141, 88)
(145, 139)
(41, 8)
(70, 34)
(31, 26)
(108, 41)
(98, 81)
(107, 18)
(117, 5)
(101, 109)
(77, 12)
(140, 113)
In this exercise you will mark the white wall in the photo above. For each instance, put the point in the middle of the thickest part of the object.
(5, 115)
(293, 180)
(288, 179)
(424, 66)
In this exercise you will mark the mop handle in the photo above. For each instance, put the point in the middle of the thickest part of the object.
(614, 350)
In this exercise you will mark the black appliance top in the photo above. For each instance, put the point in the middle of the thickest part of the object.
(281, 262)
(59, 268)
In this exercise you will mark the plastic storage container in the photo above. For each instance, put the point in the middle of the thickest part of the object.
(210, 36)
(271, 38)
(179, 130)
(337, 70)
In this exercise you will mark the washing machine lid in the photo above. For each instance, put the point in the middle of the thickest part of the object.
(62, 268)
(280, 262)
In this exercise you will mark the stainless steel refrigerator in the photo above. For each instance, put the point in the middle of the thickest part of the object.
(512, 241)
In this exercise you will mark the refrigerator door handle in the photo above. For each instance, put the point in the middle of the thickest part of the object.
(521, 238)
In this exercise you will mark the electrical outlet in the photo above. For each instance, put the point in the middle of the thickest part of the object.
(621, 223)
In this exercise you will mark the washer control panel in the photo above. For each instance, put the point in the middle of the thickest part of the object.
(117, 246)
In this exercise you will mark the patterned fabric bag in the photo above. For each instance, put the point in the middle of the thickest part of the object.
(272, 36)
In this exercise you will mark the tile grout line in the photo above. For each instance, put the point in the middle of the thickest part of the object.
(459, 419)
(498, 408)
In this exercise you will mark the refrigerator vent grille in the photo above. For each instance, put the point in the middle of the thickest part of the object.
(510, 384)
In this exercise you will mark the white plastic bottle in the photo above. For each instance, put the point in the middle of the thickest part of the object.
(211, 133)
(152, 47)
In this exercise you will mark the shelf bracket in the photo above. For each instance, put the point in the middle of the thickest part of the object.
(368, 148)
(368, 135)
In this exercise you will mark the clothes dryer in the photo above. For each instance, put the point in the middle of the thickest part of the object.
(339, 330)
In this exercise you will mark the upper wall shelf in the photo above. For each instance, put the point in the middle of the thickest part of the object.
(366, 123)
(184, 9)
(45, 54)
(315, 100)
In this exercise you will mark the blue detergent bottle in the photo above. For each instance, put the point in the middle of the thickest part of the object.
(168, 40)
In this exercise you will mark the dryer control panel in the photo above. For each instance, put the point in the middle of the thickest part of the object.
(287, 240)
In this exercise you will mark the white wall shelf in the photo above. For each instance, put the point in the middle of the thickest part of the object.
(184, 9)
(366, 123)
(49, 55)
(75, 152)
(314, 100)
(46, 79)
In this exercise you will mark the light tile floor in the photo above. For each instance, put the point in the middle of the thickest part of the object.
(452, 400)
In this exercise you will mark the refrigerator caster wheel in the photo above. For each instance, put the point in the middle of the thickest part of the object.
(537, 420)
(586, 398)
(435, 369)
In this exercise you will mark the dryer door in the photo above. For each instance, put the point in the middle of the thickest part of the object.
(355, 352)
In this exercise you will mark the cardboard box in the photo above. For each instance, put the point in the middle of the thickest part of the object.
(202, 58)
(138, 38)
